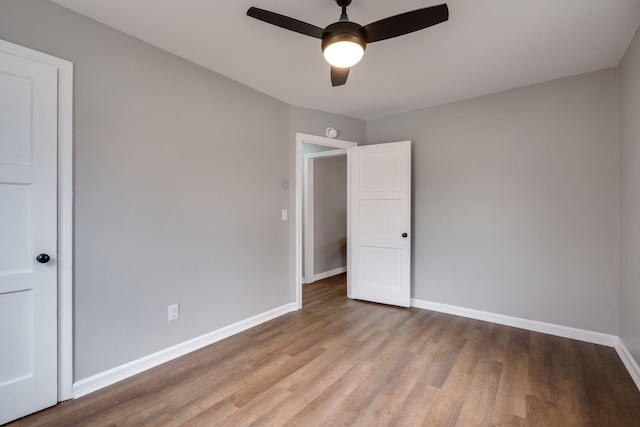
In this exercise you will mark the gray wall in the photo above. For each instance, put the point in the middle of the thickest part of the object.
(177, 200)
(515, 203)
(330, 213)
(314, 122)
(629, 70)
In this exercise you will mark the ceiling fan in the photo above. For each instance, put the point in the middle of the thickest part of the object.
(344, 42)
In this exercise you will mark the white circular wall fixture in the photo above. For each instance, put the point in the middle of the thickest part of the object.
(331, 133)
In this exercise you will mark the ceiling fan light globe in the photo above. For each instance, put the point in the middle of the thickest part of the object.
(343, 54)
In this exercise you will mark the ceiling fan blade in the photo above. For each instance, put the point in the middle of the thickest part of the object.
(339, 76)
(285, 22)
(405, 23)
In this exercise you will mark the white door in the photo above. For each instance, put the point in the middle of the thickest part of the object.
(380, 229)
(28, 222)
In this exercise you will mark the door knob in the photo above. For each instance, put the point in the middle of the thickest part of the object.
(43, 258)
(404, 234)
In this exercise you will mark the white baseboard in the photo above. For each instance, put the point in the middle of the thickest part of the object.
(119, 373)
(330, 273)
(531, 325)
(629, 362)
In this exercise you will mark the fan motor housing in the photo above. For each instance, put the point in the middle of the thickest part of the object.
(343, 31)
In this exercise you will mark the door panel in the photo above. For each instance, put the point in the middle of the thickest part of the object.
(15, 119)
(28, 226)
(15, 229)
(380, 213)
(14, 366)
(380, 219)
(383, 267)
(380, 171)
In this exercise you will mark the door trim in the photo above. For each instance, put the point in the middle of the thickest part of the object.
(65, 209)
(309, 210)
(319, 140)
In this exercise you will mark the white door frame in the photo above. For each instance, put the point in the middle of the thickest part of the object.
(64, 258)
(308, 211)
(318, 140)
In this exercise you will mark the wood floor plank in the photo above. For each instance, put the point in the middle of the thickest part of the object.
(216, 414)
(481, 395)
(259, 385)
(314, 379)
(353, 363)
(385, 403)
(254, 408)
(416, 406)
(511, 396)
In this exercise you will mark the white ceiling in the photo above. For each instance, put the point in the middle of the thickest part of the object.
(485, 47)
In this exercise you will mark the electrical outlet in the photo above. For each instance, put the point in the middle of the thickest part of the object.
(174, 312)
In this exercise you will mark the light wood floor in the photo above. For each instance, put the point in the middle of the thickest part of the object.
(340, 362)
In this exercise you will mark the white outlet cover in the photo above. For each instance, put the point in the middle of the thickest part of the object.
(174, 312)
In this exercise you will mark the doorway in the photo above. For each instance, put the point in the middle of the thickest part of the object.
(324, 212)
(325, 142)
